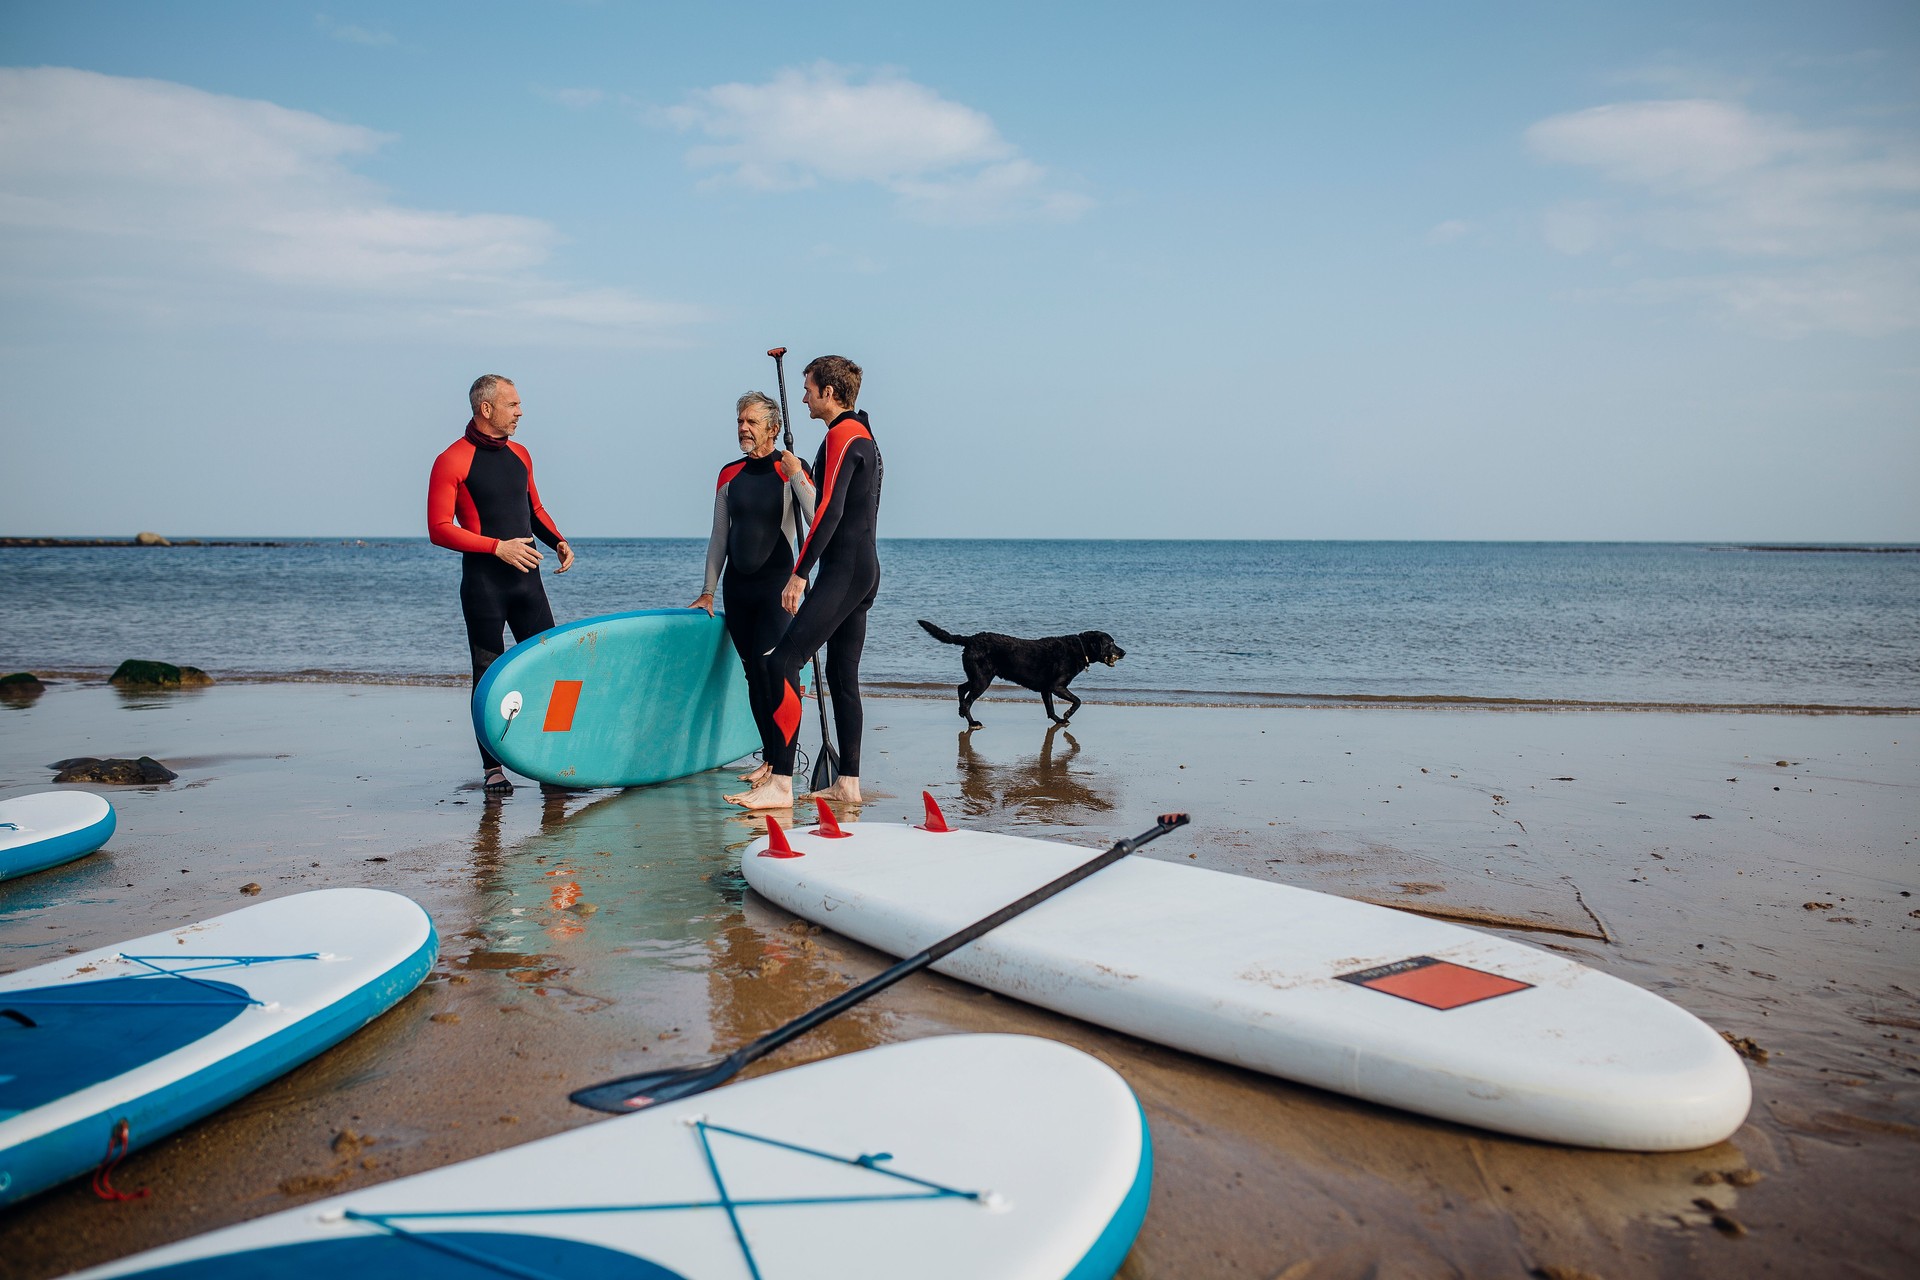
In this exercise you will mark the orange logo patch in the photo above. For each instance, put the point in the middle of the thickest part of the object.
(561, 706)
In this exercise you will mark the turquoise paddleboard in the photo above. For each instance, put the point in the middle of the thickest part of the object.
(618, 701)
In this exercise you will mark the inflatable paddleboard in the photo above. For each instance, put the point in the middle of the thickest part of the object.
(51, 827)
(966, 1156)
(1358, 999)
(618, 701)
(157, 1032)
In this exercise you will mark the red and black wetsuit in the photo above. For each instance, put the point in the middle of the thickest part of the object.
(842, 542)
(754, 528)
(481, 493)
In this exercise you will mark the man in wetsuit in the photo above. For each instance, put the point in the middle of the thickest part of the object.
(759, 505)
(834, 613)
(481, 502)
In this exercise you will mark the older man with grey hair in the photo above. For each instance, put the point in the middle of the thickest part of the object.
(759, 506)
(482, 502)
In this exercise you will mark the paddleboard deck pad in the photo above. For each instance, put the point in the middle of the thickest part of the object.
(1362, 1000)
(157, 1032)
(961, 1156)
(48, 828)
(620, 700)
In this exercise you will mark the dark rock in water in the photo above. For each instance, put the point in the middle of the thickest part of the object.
(146, 771)
(136, 674)
(20, 688)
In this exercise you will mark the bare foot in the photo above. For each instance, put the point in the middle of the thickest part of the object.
(757, 776)
(775, 793)
(844, 791)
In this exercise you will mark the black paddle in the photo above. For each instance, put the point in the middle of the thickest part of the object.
(649, 1088)
(826, 769)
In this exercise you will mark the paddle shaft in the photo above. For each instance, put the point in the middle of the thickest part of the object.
(829, 762)
(946, 946)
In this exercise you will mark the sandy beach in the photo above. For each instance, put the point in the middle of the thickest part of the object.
(1757, 869)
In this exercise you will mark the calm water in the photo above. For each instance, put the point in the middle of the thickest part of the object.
(1201, 621)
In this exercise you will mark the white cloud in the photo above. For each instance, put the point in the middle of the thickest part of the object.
(1780, 225)
(352, 33)
(155, 198)
(944, 161)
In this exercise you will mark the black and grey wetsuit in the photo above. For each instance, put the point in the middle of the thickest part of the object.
(750, 556)
(842, 542)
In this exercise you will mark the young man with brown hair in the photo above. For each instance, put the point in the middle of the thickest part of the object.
(843, 545)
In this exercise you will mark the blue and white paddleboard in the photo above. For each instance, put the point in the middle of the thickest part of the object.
(1358, 999)
(618, 701)
(162, 1030)
(966, 1156)
(51, 827)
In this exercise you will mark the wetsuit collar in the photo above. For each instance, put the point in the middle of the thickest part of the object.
(859, 415)
(481, 440)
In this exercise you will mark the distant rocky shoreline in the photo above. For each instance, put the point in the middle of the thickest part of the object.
(138, 540)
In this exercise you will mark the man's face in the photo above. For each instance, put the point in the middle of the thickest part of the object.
(820, 404)
(501, 414)
(756, 434)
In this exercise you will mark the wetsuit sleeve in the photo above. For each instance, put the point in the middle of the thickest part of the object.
(833, 502)
(443, 495)
(717, 540)
(542, 522)
(804, 494)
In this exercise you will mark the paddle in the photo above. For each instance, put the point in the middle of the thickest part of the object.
(649, 1088)
(826, 769)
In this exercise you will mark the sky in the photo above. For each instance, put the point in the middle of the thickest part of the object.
(1584, 270)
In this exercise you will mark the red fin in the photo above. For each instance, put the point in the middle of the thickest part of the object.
(777, 846)
(829, 825)
(936, 821)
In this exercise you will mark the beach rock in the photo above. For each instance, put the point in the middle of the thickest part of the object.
(144, 539)
(135, 673)
(20, 688)
(146, 771)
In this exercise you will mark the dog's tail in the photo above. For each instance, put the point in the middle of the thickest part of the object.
(944, 637)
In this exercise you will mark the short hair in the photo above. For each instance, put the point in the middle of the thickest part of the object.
(769, 411)
(483, 388)
(836, 374)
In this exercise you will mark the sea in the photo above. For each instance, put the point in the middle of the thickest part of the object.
(1202, 622)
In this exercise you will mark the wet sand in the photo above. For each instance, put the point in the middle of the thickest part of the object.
(588, 934)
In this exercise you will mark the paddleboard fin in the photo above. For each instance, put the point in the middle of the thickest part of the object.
(936, 821)
(777, 846)
(829, 825)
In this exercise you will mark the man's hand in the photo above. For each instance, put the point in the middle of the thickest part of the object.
(566, 557)
(519, 552)
(703, 601)
(790, 468)
(790, 598)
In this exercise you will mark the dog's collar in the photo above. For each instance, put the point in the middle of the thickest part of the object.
(1085, 660)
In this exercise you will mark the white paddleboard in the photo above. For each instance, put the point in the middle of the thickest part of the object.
(164, 1029)
(51, 827)
(967, 1156)
(1362, 1000)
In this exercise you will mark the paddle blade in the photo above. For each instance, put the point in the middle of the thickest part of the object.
(826, 769)
(629, 1094)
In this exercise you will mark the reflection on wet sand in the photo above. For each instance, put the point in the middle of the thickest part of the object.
(768, 969)
(634, 898)
(1044, 787)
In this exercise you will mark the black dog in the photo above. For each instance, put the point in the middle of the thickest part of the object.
(1045, 666)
